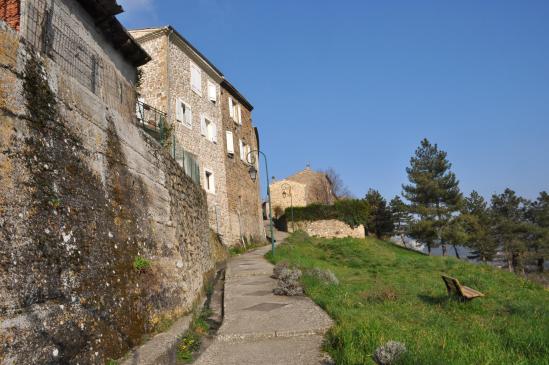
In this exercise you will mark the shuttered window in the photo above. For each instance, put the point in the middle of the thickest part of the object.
(183, 113)
(230, 143)
(212, 92)
(196, 79)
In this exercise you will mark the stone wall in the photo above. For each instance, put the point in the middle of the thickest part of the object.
(328, 229)
(173, 67)
(245, 218)
(83, 194)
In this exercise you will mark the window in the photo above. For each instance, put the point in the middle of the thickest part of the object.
(230, 143)
(212, 92)
(196, 79)
(244, 151)
(234, 111)
(209, 181)
(183, 113)
(208, 129)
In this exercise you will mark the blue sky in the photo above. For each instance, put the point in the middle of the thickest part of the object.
(355, 85)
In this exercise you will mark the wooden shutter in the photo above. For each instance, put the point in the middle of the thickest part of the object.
(212, 91)
(230, 142)
(179, 112)
(239, 115)
(188, 117)
(241, 149)
(203, 127)
(231, 107)
(213, 137)
(196, 78)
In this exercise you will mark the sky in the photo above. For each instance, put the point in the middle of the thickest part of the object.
(356, 85)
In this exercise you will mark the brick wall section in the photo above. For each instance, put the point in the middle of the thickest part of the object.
(10, 12)
(245, 218)
(328, 229)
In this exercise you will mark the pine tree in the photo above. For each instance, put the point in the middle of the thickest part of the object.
(477, 221)
(380, 221)
(433, 194)
(538, 213)
(401, 217)
(511, 229)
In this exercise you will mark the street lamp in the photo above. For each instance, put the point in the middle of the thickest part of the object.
(288, 187)
(253, 175)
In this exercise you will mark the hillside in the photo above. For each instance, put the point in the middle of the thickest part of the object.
(389, 293)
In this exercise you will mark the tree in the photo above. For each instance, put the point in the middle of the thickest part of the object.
(433, 193)
(477, 222)
(511, 229)
(538, 214)
(339, 189)
(380, 221)
(401, 217)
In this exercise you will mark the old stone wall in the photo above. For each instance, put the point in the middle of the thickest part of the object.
(177, 75)
(328, 229)
(245, 218)
(84, 195)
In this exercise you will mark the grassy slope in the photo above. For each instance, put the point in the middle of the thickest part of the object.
(388, 293)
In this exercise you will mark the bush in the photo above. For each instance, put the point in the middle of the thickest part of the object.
(324, 276)
(288, 282)
(354, 212)
(141, 264)
(279, 268)
(389, 353)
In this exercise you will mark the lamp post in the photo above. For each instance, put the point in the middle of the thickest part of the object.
(288, 187)
(253, 175)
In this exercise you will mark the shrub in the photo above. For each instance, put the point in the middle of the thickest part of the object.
(354, 212)
(389, 353)
(324, 276)
(288, 283)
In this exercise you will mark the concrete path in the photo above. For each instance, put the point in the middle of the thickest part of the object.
(261, 328)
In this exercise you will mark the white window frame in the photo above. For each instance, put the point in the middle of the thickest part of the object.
(208, 128)
(193, 88)
(210, 182)
(212, 96)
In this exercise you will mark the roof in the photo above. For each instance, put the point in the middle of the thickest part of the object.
(104, 13)
(145, 33)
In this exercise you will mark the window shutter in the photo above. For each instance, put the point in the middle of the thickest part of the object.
(239, 115)
(212, 91)
(179, 110)
(230, 143)
(214, 132)
(203, 128)
(189, 117)
(196, 78)
(231, 108)
(241, 149)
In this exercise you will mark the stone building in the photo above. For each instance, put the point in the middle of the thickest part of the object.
(241, 140)
(86, 197)
(303, 188)
(205, 110)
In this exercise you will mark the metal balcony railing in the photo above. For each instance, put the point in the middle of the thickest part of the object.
(153, 121)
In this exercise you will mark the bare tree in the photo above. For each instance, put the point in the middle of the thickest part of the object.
(339, 189)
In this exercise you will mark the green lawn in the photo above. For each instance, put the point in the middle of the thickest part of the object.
(389, 293)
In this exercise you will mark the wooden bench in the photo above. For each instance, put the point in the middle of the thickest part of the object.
(455, 288)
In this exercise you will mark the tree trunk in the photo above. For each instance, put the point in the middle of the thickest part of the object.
(444, 253)
(456, 251)
(541, 264)
(403, 240)
(429, 249)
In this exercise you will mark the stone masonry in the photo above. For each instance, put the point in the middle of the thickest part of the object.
(306, 187)
(84, 194)
(245, 220)
(331, 228)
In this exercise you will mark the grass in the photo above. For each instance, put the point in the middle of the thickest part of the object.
(389, 293)
(141, 264)
(190, 343)
(238, 250)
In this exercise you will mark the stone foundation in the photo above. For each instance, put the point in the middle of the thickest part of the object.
(328, 229)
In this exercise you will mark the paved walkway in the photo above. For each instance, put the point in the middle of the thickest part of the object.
(261, 328)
